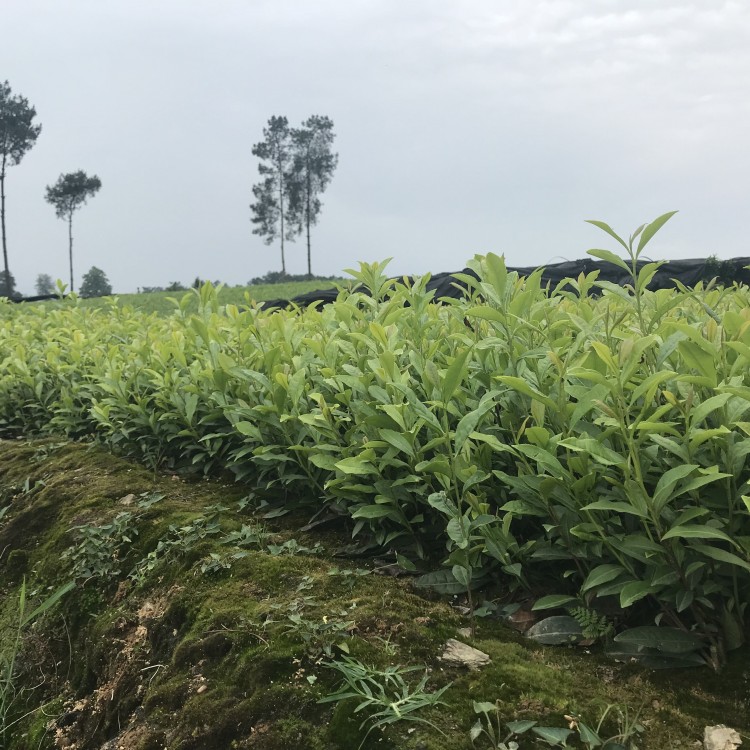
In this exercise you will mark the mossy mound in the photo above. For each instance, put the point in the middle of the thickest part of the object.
(198, 626)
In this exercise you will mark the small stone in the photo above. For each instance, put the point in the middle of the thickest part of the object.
(202, 689)
(720, 737)
(465, 632)
(127, 500)
(462, 655)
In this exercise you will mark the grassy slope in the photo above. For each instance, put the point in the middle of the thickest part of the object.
(187, 661)
(160, 301)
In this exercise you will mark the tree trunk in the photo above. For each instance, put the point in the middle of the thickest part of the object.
(2, 221)
(70, 247)
(281, 213)
(307, 217)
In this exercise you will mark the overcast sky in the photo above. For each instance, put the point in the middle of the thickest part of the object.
(463, 127)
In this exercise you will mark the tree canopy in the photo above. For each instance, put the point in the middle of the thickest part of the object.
(18, 133)
(45, 284)
(313, 165)
(95, 283)
(272, 193)
(67, 195)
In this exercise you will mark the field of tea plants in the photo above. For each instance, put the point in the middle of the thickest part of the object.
(586, 445)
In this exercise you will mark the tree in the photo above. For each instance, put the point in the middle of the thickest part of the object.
(272, 193)
(95, 283)
(44, 284)
(313, 165)
(18, 134)
(67, 195)
(8, 285)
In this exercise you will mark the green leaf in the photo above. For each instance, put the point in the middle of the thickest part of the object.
(595, 449)
(588, 735)
(486, 313)
(462, 575)
(520, 385)
(520, 726)
(652, 228)
(633, 592)
(496, 273)
(469, 421)
(47, 604)
(617, 507)
(442, 581)
(721, 555)
(668, 640)
(602, 574)
(440, 501)
(356, 465)
(697, 531)
(668, 480)
(374, 511)
(610, 257)
(397, 440)
(700, 412)
(648, 387)
(556, 630)
(611, 232)
(553, 601)
(553, 735)
(455, 374)
(652, 658)
(248, 428)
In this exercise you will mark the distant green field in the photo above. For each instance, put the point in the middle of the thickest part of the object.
(160, 301)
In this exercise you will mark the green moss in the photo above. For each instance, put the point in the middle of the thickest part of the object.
(195, 661)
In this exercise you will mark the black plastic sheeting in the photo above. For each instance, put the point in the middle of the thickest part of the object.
(687, 272)
(447, 286)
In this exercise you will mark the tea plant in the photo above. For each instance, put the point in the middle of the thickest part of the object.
(587, 439)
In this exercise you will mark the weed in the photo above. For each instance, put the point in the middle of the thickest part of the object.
(293, 547)
(384, 695)
(149, 499)
(98, 553)
(488, 728)
(11, 648)
(217, 563)
(249, 535)
(179, 541)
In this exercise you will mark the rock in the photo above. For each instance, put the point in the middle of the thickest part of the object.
(462, 655)
(464, 632)
(720, 737)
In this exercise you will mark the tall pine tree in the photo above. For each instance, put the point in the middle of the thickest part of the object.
(313, 165)
(18, 133)
(67, 195)
(269, 212)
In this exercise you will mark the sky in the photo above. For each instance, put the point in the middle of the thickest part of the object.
(462, 127)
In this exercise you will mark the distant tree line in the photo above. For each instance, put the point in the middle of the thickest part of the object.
(276, 277)
(18, 134)
(296, 166)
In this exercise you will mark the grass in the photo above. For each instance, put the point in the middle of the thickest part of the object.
(159, 302)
